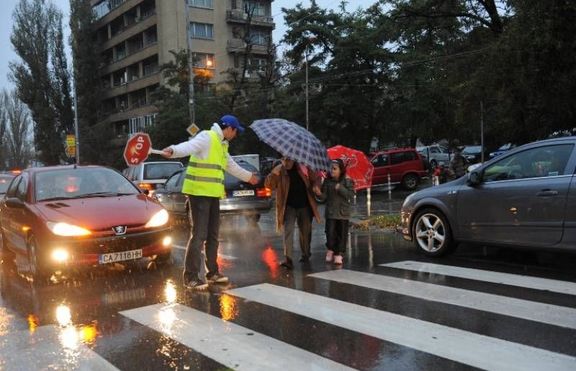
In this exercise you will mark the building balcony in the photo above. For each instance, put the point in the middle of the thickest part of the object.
(130, 31)
(146, 52)
(131, 86)
(129, 112)
(239, 46)
(117, 11)
(239, 16)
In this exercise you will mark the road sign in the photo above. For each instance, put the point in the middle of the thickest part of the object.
(137, 149)
(70, 148)
(193, 130)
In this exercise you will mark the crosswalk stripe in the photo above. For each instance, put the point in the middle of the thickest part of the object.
(562, 287)
(450, 343)
(225, 342)
(48, 346)
(519, 308)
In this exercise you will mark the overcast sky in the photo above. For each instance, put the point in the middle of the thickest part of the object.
(9, 5)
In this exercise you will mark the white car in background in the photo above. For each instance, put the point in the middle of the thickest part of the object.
(148, 175)
(435, 154)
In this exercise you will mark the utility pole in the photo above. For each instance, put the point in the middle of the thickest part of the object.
(191, 103)
(482, 131)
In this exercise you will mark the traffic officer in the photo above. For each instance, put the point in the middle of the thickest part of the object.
(204, 187)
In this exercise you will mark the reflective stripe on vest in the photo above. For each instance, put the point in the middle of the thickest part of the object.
(205, 177)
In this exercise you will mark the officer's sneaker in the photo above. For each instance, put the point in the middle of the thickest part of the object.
(217, 278)
(196, 285)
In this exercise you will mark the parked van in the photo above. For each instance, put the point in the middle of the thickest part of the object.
(148, 175)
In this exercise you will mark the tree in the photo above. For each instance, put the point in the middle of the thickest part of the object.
(94, 136)
(41, 76)
(17, 120)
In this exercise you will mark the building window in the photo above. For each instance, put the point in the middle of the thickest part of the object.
(201, 30)
(140, 123)
(101, 9)
(203, 60)
(201, 4)
(259, 38)
(256, 8)
(257, 64)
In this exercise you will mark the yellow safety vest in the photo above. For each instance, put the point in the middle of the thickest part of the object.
(205, 177)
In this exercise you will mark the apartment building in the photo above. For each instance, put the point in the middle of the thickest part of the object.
(135, 38)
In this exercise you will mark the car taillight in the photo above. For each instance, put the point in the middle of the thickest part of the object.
(146, 186)
(264, 192)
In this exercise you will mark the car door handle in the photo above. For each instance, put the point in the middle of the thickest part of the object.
(547, 193)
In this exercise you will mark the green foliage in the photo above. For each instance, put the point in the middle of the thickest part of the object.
(407, 69)
(95, 138)
(41, 77)
(385, 221)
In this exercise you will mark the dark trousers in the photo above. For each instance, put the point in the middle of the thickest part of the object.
(336, 235)
(302, 216)
(204, 217)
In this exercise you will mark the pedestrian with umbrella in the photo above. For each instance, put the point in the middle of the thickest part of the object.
(303, 155)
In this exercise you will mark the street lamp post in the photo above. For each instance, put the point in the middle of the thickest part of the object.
(191, 105)
(307, 101)
(309, 39)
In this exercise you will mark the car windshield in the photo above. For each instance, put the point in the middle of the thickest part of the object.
(81, 183)
(160, 170)
(471, 150)
(4, 183)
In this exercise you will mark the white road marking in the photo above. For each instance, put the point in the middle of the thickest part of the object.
(225, 342)
(536, 283)
(51, 347)
(450, 343)
(519, 308)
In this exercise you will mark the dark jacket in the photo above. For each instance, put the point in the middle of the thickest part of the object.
(338, 201)
(281, 184)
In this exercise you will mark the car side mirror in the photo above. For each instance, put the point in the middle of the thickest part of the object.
(14, 202)
(474, 178)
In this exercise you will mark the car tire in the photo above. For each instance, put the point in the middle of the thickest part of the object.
(410, 181)
(37, 268)
(432, 234)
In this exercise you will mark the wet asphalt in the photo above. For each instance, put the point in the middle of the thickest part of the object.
(84, 321)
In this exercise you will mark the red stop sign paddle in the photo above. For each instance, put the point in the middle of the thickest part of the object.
(138, 147)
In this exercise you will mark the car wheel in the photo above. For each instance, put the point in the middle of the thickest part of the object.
(431, 233)
(433, 164)
(410, 181)
(37, 269)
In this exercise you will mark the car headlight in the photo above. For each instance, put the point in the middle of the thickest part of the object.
(67, 230)
(159, 219)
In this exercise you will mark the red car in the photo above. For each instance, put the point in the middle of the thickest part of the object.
(53, 218)
(405, 166)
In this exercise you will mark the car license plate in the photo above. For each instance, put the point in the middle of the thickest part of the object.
(243, 193)
(120, 256)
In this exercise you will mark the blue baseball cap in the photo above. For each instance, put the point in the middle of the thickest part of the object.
(232, 121)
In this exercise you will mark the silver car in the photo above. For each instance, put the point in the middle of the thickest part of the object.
(241, 198)
(525, 197)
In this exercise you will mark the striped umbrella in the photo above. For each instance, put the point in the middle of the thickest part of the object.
(293, 141)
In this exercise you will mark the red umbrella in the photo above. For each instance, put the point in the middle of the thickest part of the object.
(358, 166)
